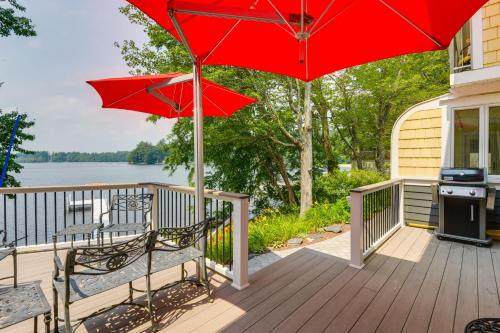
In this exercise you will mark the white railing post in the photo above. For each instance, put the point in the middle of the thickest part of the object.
(240, 243)
(154, 209)
(357, 230)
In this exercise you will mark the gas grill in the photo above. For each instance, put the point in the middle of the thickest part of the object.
(463, 196)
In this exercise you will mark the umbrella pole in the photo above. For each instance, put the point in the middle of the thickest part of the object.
(198, 150)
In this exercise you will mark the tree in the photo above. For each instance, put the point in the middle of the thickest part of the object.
(272, 149)
(364, 101)
(146, 153)
(10, 22)
(7, 121)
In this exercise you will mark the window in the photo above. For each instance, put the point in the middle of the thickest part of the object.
(462, 53)
(494, 141)
(466, 140)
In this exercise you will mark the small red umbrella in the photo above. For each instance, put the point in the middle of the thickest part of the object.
(306, 39)
(167, 95)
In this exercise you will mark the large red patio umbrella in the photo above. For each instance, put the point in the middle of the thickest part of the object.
(306, 39)
(167, 95)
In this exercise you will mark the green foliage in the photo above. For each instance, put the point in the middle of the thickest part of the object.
(338, 184)
(273, 228)
(219, 247)
(7, 122)
(146, 153)
(35, 157)
(10, 22)
(366, 100)
(119, 156)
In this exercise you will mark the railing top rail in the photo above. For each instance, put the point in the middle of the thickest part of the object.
(208, 193)
(377, 186)
(104, 186)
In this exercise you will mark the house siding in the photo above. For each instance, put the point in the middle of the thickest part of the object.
(418, 207)
(419, 144)
(491, 33)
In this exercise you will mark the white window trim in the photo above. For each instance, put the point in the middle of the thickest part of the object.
(477, 39)
(451, 143)
(476, 27)
(484, 110)
(494, 178)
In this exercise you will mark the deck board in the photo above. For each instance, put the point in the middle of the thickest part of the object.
(373, 315)
(412, 283)
(467, 306)
(443, 316)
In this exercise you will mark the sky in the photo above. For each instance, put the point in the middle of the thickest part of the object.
(45, 77)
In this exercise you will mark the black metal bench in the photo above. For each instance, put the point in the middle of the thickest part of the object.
(89, 271)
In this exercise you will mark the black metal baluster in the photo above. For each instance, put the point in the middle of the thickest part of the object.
(118, 210)
(55, 212)
(189, 203)
(83, 209)
(36, 218)
(64, 212)
(365, 224)
(25, 219)
(5, 217)
(177, 209)
(74, 210)
(45, 214)
(230, 235)
(223, 232)
(126, 210)
(15, 218)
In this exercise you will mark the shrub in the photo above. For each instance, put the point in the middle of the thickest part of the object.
(219, 247)
(338, 184)
(273, 228)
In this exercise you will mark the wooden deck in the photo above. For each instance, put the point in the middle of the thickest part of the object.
(413, 283)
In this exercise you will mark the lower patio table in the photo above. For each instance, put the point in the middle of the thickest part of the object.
(24, 302)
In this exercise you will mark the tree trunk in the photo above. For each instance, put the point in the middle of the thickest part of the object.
(331, 162)
(284, 175)
(306, 162)
(383, 114)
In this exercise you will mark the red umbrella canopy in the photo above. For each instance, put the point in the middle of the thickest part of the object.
(307, 39)
(167, 95)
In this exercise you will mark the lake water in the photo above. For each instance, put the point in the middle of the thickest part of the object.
(34, 217)
(75, 173)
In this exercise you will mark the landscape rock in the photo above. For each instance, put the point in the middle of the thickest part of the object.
(336, 228)
(294, 241)
(313, 237)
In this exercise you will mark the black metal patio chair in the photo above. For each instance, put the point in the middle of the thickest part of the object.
(90, 271)
(129, 203)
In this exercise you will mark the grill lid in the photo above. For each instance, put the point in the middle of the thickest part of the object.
(466, 175)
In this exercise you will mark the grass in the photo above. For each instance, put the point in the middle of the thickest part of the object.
(275, 228)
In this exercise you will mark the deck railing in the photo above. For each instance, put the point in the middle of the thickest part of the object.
(375, 216)
(31, 215)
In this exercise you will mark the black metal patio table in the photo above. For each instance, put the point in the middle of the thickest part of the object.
(79, 229)
(23, 302)
(124, 227)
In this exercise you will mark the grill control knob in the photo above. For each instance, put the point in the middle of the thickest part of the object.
(472, 193)
(449, 191)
